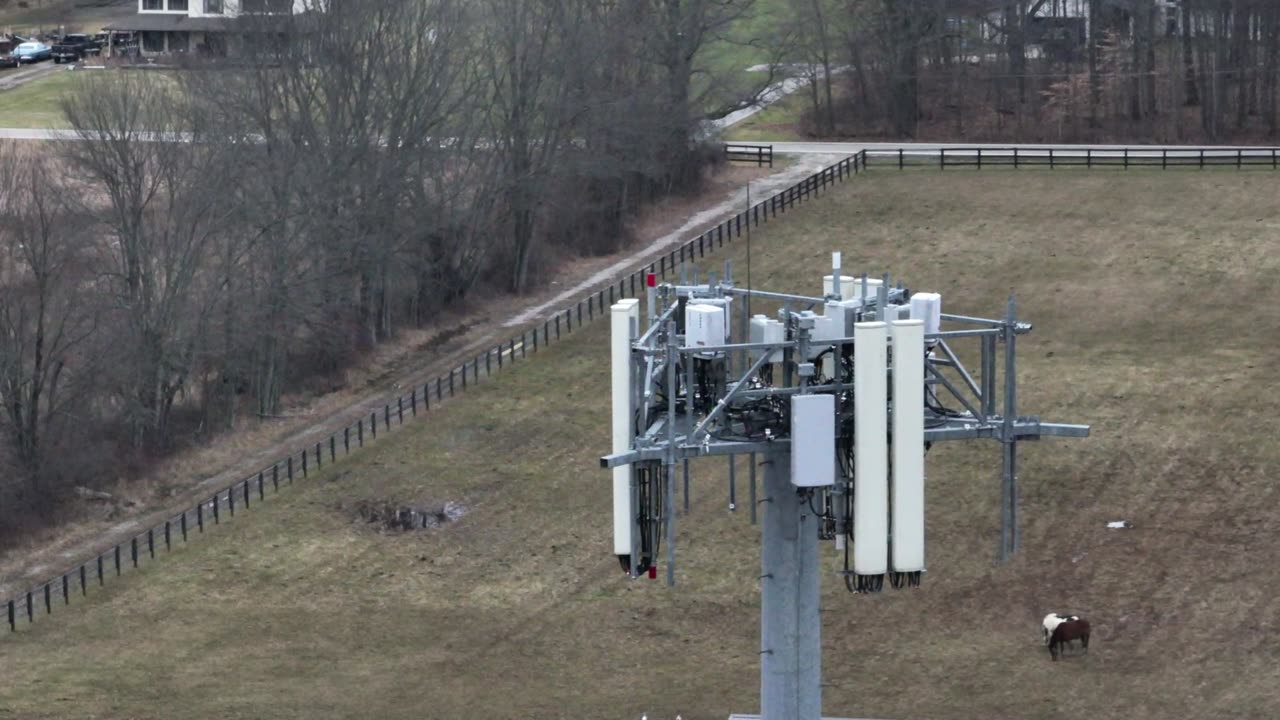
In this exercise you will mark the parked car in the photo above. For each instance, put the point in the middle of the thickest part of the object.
(8, 61)
(32, 52)
(75, 47)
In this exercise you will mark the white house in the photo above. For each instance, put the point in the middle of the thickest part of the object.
(203, 26)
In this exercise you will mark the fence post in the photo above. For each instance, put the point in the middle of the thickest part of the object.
(13, 616)
(319, 455)
(168, 545)
(262, 490)
(133, 550)
(373, 424)
(183, 524)
(304, 467)
(451, 371)
(231, 491)
(1273, 159)
(979, 158)
(84, 583)
(101, 580)
(66, 590)
(413, 402)
(200, 517)
(217, 513)
(1050, 158)
(289, 468)
(117, 560)
(1015, 158)
(48, 600)
(245, 489)
(1126, 158)
(1201, 158)
(346, 440)
(426, 394)
(1088, 158)
(31, 609)
(942, 158)
(151, 543)
(1164, 158)
(1239, 158)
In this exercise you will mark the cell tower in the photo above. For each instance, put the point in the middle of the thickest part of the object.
(838, 397)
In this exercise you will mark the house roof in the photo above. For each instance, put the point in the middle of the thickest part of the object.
(156, 22)
(147, 22)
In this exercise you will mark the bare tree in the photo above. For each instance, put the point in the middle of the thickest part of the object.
(45, 311)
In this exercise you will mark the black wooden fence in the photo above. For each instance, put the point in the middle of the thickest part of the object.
(1085, 157)
(240, 496)
(761, 155)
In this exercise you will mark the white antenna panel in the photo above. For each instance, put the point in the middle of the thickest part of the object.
(813, 440)
(907, 513)
(871, 450)
(927, 307)
(704, 325)
(846, 286)
(624, 321)
(767, 330)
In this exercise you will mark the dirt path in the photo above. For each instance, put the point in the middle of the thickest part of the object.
(24, 74)
(180, 482)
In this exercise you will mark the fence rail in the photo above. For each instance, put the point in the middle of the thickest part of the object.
(746, 152)
(1087, 157)
(221, 506)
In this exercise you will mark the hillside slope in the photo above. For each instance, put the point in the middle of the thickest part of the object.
(1153, 299)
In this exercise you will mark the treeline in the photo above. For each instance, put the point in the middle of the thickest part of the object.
(1202, 71)
(219, 236)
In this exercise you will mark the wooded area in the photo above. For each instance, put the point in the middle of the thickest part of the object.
(357, 172)
(1141, 71)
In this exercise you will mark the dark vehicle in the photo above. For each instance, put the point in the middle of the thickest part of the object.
(72, 48)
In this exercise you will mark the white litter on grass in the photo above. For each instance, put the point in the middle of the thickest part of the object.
(1118, 524)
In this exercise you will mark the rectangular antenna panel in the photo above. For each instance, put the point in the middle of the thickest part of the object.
(726, 303)
(846, 286)
(927, 307)
(767, 330)
(845, 315)
(873, 288)
(907, 513)
(704, 325)
(871, 450)
(897, 312)
(624, 322)
(813, 440)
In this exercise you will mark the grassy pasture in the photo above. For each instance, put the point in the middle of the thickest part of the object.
(1153, 299)
(36, 104)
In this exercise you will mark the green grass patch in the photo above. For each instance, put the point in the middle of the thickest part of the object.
(296, 609)
(779, 121)
(36, 104)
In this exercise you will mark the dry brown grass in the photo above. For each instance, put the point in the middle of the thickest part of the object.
(1153, 301)
(408, 361)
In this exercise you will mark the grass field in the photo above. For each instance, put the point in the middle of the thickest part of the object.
(779, 121)
(1153, 299)
(73, 15)
(36, 104)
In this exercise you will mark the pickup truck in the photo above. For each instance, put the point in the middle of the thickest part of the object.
(72, 48)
